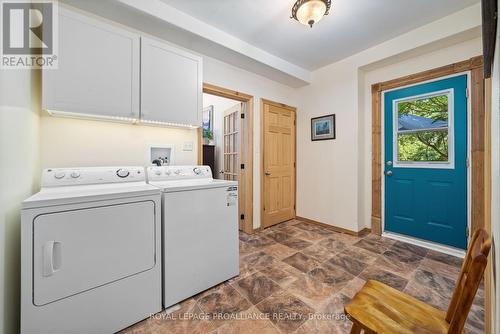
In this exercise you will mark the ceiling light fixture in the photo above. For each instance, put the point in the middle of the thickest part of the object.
(309, 12)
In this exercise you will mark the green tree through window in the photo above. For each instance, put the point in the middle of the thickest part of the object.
(423, 129)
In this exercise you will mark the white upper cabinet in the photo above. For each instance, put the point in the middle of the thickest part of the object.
(98, 69)
(171, 84)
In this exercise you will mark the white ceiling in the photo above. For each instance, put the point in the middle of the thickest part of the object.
(352, 26)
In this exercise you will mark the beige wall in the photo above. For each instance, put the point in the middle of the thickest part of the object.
(19, 173)
(68, 142)
(339, 171)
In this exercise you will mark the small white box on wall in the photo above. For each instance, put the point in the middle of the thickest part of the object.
(161, 154)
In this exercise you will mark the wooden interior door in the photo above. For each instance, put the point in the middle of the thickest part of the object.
(278, 146)
(231, 143)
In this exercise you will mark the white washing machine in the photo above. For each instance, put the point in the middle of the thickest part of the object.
(200, 230)
(91, 251)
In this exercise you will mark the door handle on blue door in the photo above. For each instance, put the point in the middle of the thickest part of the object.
(388, 173)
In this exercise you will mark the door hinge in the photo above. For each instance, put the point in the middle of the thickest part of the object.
(242, 166)
(467, 162)
(466, 93)
(242, 115)
(242, 216)
(467, 232)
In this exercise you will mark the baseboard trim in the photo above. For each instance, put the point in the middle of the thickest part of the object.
(363, 232)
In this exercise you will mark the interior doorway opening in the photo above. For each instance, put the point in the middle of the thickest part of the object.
(225, 143)
(221, 136)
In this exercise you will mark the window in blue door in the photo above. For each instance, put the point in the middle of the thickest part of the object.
(424, 128)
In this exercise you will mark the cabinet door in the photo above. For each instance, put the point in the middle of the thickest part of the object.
(98, 69)
(171, 84)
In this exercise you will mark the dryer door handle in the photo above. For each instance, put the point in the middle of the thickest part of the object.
(51, 257)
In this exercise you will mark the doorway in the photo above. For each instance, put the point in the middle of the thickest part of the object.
(278, 159)
(227, 145)
(473, 67)
(220, 132)
(425, 172)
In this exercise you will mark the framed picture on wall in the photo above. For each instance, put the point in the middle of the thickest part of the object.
(323, 128)
(208, 118)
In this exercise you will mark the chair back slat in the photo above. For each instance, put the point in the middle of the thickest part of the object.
(468, 281)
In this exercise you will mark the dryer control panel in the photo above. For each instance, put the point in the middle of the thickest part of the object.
(57, 177)
(171, 173)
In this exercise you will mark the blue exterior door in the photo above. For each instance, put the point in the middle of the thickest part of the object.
(425, 161)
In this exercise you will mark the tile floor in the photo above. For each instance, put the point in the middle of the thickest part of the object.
(296, 277)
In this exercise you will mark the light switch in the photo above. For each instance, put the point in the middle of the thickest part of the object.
(188, 146)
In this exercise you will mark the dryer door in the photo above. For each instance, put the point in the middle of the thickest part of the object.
(78, 250)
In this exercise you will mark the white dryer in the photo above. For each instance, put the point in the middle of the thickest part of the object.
(91, 251)
(200, 230)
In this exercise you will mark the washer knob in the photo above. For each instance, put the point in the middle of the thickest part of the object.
(59, 175)
(122, 173)
(158, 172)
(75, 174)
(197, 170)
(177, 171)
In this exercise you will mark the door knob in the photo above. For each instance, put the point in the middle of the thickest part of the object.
(389, 163)
(388, 173)
(268, 174)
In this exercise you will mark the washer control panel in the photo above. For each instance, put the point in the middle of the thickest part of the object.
(171, 173)
(56, 177)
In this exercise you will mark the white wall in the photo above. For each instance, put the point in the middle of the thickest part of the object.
(19, 173)
(339, 171)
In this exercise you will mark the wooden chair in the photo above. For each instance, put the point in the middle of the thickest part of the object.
(378, 308)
